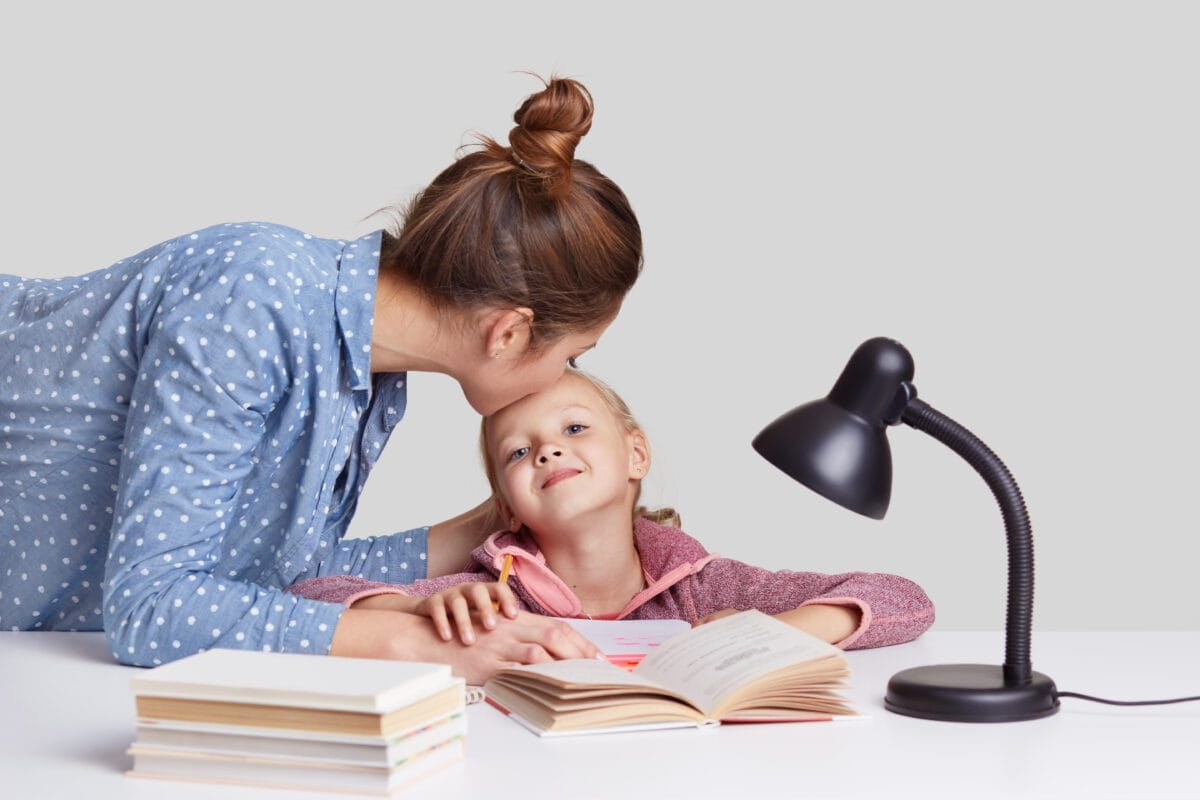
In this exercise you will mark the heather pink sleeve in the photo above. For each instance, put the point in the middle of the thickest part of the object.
(894, 609)
(346, 589)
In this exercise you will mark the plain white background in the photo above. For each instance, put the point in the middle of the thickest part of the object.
(1010, 189)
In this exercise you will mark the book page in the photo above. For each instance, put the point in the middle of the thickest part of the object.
(715, 660)
(627, 641)
(582, 673)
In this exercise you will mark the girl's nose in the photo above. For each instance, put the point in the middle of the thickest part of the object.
(546, 453)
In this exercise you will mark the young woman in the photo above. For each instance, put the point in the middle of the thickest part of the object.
(186, 433)
(566, 465)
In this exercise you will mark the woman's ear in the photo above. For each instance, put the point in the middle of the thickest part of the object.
(639, 456)
(508, 331)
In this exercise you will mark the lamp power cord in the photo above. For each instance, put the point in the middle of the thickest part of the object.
(1126, 702)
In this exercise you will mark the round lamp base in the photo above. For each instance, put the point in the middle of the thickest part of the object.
(969, 693)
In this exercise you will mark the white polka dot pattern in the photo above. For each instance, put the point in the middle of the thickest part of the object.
(185, 434)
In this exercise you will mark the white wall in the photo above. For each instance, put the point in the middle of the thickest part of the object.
(1010, 189)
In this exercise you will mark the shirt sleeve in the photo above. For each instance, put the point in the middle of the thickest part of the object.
(894, 609)
(395, 558)
(213, 367)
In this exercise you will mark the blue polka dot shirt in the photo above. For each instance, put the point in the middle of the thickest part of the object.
(185, 434)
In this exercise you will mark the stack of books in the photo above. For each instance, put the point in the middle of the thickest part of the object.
(297, 721)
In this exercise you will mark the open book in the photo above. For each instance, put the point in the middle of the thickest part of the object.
(746, 667)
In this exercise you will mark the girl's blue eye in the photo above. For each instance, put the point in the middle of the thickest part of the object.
(575, 428)
(571, 363)
(517, 454)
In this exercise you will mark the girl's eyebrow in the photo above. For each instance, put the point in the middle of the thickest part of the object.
(575, 407)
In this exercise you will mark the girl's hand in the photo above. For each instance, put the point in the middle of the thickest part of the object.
(457, 601)
(716, 615)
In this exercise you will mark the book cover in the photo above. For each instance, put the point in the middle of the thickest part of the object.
(292, 679)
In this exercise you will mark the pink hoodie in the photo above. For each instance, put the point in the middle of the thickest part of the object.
(683, 581)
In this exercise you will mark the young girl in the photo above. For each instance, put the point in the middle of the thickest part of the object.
(566, 466)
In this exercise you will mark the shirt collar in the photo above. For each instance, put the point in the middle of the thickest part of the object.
(354, 301)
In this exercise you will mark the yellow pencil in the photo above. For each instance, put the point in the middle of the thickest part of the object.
(504, 570)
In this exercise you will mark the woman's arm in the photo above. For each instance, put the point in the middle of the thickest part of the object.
(431, 552)
(195, 424)
(451, 542)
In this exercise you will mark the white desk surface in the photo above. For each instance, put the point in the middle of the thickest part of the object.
(68, 718)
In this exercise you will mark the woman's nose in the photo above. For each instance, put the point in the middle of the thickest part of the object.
(548, 452)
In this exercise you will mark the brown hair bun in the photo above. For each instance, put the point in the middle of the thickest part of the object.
(550, 124)
(526, 226)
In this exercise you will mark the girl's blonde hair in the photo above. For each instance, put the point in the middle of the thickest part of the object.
(620, 410)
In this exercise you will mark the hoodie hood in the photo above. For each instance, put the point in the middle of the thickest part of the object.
(668, 555)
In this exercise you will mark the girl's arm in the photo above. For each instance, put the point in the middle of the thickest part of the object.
(351, 591)
(852, 610)
(828, 622)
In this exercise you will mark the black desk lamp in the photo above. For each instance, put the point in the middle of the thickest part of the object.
(838, 448)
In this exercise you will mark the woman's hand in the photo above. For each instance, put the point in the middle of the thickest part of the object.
(527, 639)
(449, 544)
(487, 599)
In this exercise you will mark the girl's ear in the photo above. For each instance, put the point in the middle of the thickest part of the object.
(507, 331)
(507, 520)
(639, 456)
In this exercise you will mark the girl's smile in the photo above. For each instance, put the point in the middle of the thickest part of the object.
(560, 475)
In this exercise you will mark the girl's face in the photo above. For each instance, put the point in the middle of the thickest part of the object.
(561, 453)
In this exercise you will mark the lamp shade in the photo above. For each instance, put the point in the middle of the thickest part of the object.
(838, 446)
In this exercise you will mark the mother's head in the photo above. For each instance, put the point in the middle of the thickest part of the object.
(529, 247)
